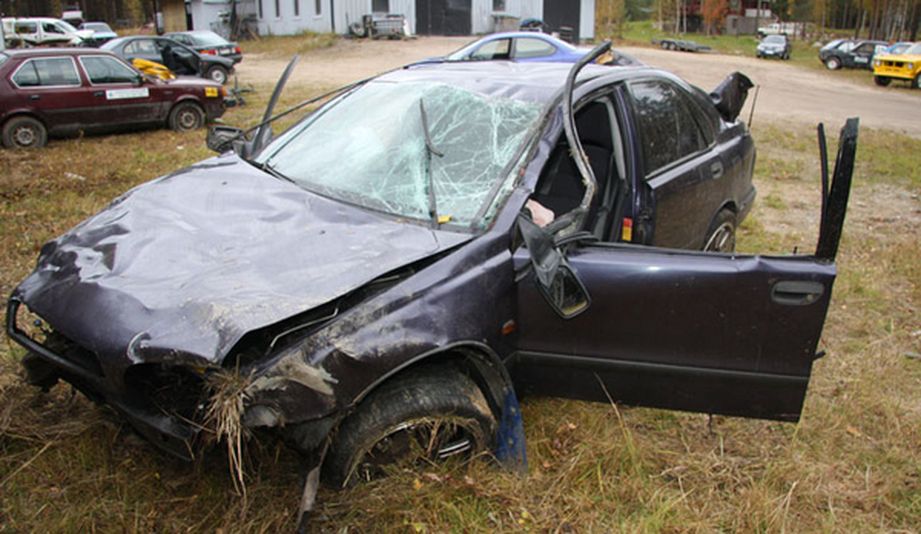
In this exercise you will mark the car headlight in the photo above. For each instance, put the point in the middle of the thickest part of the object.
(911, 66)
(877, 63)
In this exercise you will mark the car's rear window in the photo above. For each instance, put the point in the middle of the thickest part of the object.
(208, 39)
(369, 148)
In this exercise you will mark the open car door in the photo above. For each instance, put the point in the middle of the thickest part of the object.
(708, 332)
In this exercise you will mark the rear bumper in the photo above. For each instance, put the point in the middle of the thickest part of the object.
(893, 72)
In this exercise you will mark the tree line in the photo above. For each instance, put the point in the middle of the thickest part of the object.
(886, 20)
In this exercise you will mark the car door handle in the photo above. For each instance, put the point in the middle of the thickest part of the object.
(796, 292)
(35, 97)
(99, 93)
(716, 169)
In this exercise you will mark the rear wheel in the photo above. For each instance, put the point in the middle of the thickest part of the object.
(186, 116)
(833, 63)
(882, 81)
(24, 132)
(218, 74)
(722, 234)
(428, 415)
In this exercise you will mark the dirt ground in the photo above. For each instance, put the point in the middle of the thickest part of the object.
(787, 92)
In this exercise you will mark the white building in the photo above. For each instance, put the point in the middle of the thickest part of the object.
(425, 17)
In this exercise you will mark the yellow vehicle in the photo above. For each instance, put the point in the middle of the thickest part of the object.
(905, 66)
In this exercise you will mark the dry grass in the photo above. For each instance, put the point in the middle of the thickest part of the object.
(853, 464)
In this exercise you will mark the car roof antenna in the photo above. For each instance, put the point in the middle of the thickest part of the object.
(262, 136)
(751, 113)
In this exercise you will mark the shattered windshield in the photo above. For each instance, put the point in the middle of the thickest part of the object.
(369, 148)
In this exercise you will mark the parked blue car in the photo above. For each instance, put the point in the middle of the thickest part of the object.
(527, 47)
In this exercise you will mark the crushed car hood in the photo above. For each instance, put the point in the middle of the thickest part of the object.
(187, 264)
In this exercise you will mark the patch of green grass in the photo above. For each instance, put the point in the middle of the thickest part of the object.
(287, 45)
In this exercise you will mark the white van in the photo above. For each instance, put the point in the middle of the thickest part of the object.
(44, 31)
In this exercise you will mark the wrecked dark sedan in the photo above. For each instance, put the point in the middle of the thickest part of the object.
(371, 282)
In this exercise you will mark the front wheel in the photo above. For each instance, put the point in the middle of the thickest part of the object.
(186, 116)
(917, 83)
(833, 63)
(722, 234)
(24, 132)
(430, 414)
(217, 74)
(882, 81)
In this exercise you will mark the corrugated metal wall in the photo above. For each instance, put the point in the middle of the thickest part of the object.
(587, 20)
(349, 11)
(283, 21)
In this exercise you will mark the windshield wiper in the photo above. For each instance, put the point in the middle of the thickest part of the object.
(271, 170)
(429, 151)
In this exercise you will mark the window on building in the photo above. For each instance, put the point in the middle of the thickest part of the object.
(261, 14)
(380, 6)
(297, 8)
(498, 5)
(277, 9)
(318, 7)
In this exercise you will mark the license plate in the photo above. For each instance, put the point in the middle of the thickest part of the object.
(226, 51)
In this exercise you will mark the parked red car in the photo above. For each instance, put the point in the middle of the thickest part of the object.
(60, 91)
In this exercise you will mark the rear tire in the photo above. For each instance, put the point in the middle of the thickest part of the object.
(217, 74)
(833, 63)
(24, 132)
(721, 237)
(186, 116)
(427, 415)
(882, 81)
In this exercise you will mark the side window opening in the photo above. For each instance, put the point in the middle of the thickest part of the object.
(668, 130)
(527, 47)
(560, 187)
(498, 49)
(47, 72)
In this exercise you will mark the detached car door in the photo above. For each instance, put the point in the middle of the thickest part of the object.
(709, 332)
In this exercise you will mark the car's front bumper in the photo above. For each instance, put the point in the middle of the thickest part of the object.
(169, 433)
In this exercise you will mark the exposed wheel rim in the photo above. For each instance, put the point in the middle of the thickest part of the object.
(723, 239)
(187, 119)
(832, 64)
(218, 76)
(416, 441)
(25, 135)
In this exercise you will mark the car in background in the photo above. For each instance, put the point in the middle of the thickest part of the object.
(208, 42)
(774, 46)
(44, 31)
(899, 48)
(903, 66)
(47, 91)
(850, 54)
(102, 33)
(528, 47)
(177, 57)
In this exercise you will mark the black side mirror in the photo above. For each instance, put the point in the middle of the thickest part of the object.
(222, 138)
(566, 293)
(557, 282)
